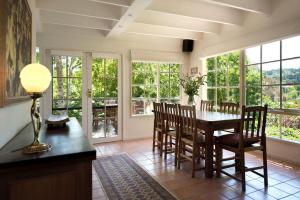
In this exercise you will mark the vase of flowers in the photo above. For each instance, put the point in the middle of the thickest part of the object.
(191, 85)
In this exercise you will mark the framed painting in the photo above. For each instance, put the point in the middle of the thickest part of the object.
(15, 48)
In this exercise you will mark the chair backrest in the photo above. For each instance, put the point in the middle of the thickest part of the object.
(188, 121)
(229, 107)
(159, 118)
(172, 115)
(207, 105)
(253, 123)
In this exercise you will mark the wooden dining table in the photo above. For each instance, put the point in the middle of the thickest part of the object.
(210, 122)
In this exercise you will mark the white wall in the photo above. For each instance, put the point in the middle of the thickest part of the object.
(14, 117)
(73, 39)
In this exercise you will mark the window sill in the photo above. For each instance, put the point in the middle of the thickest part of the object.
(142, 116)
(289, 142)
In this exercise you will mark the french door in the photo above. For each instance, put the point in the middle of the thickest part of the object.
(103, 97)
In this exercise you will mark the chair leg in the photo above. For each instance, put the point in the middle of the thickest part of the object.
(153, 142)
(237, 163)
(176, 151)
(265, 162)
(161, 138)
(194, 160)
(166, 145)
(179, 154)
(242, 170)
(219, 158)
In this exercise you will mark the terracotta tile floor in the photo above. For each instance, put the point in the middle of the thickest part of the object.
(284, 179)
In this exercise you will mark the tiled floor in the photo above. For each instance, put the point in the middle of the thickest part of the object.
(284, 180)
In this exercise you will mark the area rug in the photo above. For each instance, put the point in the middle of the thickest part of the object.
(122, 178)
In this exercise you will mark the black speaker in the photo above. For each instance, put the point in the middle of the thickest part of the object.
(187, 45)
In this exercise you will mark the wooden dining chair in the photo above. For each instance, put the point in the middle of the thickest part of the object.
(191, 141)
(158, 127)
(251, 137)
(229, 107)
(172, 130)
(207, 105)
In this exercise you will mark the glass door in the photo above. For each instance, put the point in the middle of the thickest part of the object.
(103, 98)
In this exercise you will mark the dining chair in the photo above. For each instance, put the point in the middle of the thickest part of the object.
(251, 137)
(191, 141)
(207, 105)
(229, 107)
(158, 127)
(172, 130)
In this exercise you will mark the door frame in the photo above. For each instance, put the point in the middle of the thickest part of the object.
(87, 112)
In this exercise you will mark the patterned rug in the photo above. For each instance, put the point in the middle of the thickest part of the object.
(122, 178)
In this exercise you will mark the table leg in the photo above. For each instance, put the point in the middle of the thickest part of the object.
(209, 150)
(237, 161)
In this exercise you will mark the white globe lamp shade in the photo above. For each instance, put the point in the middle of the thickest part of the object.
(35, 78)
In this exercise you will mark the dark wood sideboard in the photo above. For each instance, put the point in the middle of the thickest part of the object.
(64, 173)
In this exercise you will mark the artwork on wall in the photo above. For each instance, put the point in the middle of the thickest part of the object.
(15, 48)
(194, 70)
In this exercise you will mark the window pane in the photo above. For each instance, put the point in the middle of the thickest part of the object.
(210, 64)
(271, 73)
(164, 78)
(138, 107)
(271, 51)
(290, 126)
(234, 95)
(252, 55)
(291, 97)
(111, 67)
(221, 78)
(150, 78)
(59, 88)
(164, 91)
(175, 91)
(74, 66)
(233, 75)
(221, 95)
(273, 125)
(151, 91)
(111, 87)
(59, 68)
(291, 71)
(291, 47)
(75, 88)
(253, 75)
(149, 106)
(138, 78)
(137, 66)
(271, 96)
(174, 79)
(211, 78)
(164, 67)
(211, 93)
(138, 91)
(175, 68)
(253, 96)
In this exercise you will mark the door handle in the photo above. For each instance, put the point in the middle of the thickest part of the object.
(89, 93)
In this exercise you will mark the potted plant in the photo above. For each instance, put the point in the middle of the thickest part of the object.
(191, 85)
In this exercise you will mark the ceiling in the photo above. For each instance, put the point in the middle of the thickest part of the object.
(181, 19)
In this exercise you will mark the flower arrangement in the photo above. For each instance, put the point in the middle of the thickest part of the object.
(191, 85)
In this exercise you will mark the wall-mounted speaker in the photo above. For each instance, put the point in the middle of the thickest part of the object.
(187, 45)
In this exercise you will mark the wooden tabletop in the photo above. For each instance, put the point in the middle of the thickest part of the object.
(216, 116)
(67, 142)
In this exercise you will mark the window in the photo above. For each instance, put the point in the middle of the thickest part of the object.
(153, 82)
(67, 85)
(273, 78)
(223, 78)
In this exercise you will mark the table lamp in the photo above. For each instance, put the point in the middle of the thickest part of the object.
(35, 79)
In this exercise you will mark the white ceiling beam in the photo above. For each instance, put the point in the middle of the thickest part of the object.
(200, 10)
(122, 3)
(136, 8)
(177, 21)
(256, 6)
(82, 8)
(49, 17)
(162, 31)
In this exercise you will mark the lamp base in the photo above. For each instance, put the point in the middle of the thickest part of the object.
(37, 148)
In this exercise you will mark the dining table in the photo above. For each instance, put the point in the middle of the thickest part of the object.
(209, 122)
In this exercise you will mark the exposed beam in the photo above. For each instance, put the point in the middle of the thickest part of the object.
(122, 3)
(257, 6)
(136, 8)
(177, 21)
(82, 8)
(49, 17)
(200, 10)
(162, 31)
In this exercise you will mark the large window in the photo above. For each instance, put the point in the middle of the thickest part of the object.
(223, 78)
(273, 78)
(153, 82)
(67, 85)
